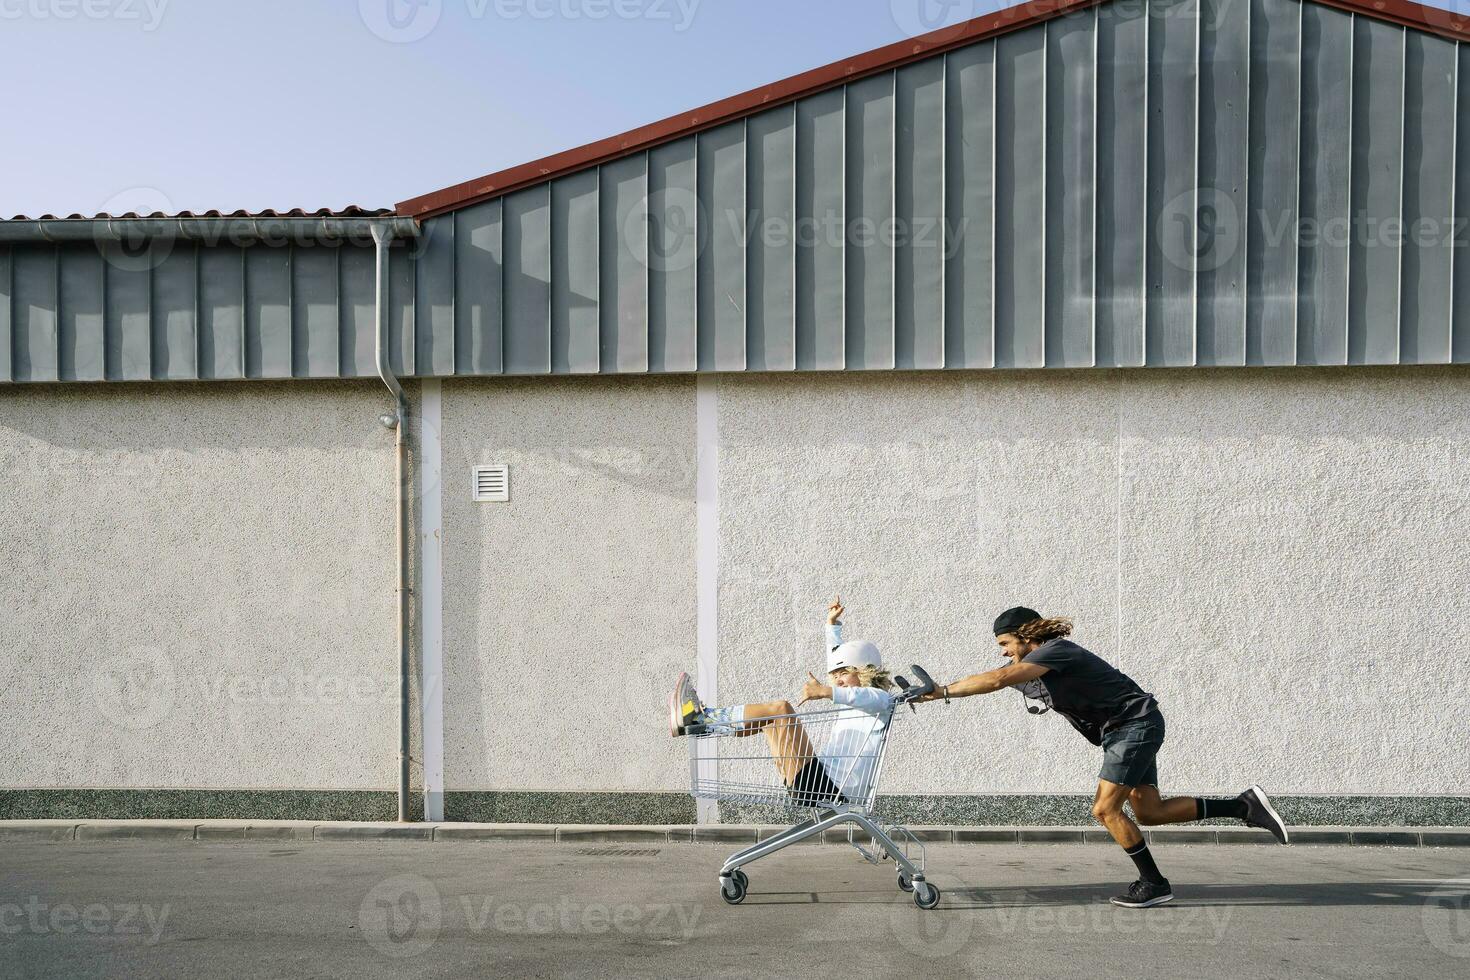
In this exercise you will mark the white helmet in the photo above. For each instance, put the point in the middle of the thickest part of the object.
(854, 653)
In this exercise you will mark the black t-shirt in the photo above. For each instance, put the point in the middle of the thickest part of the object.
(1091, 693)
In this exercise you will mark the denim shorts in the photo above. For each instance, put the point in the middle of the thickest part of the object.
(1129, 751)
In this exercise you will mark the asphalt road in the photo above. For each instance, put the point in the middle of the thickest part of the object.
(406, 910)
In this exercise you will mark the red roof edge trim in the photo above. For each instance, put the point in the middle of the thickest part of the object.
(1444, 23)
(737, 106)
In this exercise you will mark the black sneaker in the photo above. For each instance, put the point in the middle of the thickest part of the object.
(1141, 894)
(1260, 813)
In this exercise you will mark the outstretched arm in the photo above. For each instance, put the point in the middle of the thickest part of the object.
(991, 680)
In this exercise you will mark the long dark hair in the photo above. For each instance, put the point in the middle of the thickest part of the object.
(1041, 630)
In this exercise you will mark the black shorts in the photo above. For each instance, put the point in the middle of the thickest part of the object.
(814, 787)
(1129, 751)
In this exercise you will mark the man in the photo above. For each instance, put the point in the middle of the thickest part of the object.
(1110, 710)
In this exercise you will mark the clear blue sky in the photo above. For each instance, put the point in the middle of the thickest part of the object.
(198, 104)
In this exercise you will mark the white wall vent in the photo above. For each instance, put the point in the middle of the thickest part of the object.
(491, 484)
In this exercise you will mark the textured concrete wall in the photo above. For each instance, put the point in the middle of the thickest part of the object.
(568, 611)
(1279, 555)
(199, 587)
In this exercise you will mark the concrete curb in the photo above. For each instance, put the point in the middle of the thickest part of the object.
(307, 830)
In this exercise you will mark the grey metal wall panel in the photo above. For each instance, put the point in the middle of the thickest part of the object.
(771, 254)
(315, 329)
(1220, 209)
(919, 216)
(820, 208)
(1429, 143)
(528, 281)
(624, 266)
(1161, 183)
(82, 333)
(1460, 285)
(1122, 128)
(1020, 199)
(175, 303)
(129, 354)
(969, 204)
(267, 312)
(675, 228)
(1071, 46)
(358, 336)
(402, 312)
(1171, 201)
(221, 313)
(577, 333)
(721, 287)
(478, 274)
(1271, 242)
(7, 297)
(1326, 148)
(1376, 192)
(433, 300)
(870, 252)
(35, 320)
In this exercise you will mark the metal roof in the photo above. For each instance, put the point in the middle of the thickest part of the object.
(1436, 20)
(1149, 183)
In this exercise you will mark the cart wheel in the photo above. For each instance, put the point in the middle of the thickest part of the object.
(739, 876)
(905, 882)
(732, 890)
(926, 896)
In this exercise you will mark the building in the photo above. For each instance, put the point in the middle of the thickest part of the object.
(1149, 313)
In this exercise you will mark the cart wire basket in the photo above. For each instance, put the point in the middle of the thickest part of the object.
(820, 767)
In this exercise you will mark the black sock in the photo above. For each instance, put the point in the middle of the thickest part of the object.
(1205, 809)
(1147, 870)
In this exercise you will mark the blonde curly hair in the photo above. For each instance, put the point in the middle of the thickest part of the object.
(867, 676)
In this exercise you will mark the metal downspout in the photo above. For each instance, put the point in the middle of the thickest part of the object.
(382, 238)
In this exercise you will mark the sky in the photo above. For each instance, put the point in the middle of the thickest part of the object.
(119, 105)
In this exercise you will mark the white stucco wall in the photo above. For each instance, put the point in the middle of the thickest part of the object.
(199, 587)
(1279, 555)
(569, 610)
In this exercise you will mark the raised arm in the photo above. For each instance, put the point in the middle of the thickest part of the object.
(834, 627)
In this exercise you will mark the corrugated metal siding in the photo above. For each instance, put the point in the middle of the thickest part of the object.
(1114, 187)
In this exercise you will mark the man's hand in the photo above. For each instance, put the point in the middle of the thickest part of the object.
(813, 690)
(835, 611)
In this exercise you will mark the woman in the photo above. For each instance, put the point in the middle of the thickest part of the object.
(843, 769)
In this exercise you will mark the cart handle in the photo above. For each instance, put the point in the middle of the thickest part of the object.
(912, 692)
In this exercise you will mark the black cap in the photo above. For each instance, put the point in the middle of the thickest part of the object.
(1007, 621)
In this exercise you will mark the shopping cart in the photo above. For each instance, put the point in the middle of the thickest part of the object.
(824, 764)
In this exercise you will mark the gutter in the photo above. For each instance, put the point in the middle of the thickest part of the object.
(383, 233)
(233, 231)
